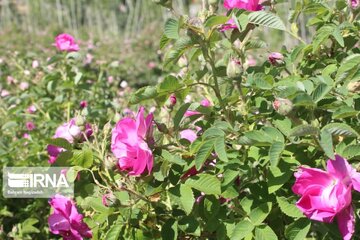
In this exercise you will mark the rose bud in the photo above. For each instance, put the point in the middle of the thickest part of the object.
(276, 58)
(83, 104)
(172, 99)
(234, 69)
(354, 4)
(282, 106)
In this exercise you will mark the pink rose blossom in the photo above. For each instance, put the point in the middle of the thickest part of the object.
(354, 3)
(189, 135)
(10, 80)
(30, 126)
(35, 64)
(23, 86)
(249, 5)
(110, 79)
(129, 143)
(66, 221)
(70, 132)
(327, 194)
(66, 42)
(26, 136)
(31, 109)
(4, 93)
(276, 58)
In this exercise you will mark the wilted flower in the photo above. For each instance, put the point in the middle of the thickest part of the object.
(66, 42)
(129, 143)
(30, 126)
(66, 221)
(283, 106)
(249, 5)
(276, 58)
(327, 194)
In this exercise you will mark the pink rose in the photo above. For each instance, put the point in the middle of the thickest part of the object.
(66, 42)
(327, 194)
(70, 132)
(30, 126)
(66, 221)
(23, 86)
(31, 109)
(129, 143)
(354, 3)
(249, 5)
(276, 58)
(189, 135)
(35, 64)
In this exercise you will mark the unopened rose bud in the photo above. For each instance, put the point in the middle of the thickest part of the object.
(283, 106)
(276, 58)
(234, 69)
(109, 200)
(83, 104)
(172, 99)
(354, 87)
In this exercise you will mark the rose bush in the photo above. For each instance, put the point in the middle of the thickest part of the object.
(233, 143)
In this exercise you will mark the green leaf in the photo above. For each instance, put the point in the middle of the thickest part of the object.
(303, 130)
(164, 41)
(338, 37)
(321, 36)
(220, 149)
(259, 214)
(60, 142)
(145, 93)
(258, 136)
(289, 209)
(348, 68)
(96, 204)
(241, 22)
(28, 226)
(275, 151)
(215, 20)
(320, 92)
(341, 129)
(206, 183)
(298, 230)
(344, 112)
(114, 231)
(180, 114)
(326, 143)
(83, 158)
(177, 50)
(187, 198)
(303, 99)
(278, 176)
(351, 151)
(264, 233)
(203, 153)
(267, 19)
(171, 29)
(169, 85)
(169, 230)
(213, 132)
(242, 229)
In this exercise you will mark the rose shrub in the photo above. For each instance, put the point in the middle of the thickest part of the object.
(229, 149)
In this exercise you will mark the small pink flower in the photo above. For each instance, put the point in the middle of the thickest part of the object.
(354, 3)
(205, 103)
(88, 58)
(35, 64)
(327, 194)
(129, 143)
(30, 126)
(151, 65)
(172, 100)
(66, 42)
(110, 79)
(4, 93)
(23, 86)
(190, 113)
(31, 109)
(189, 135)
(83, 104)
(66, 221)
(276, 58)
(26, 136)
(249, 5)
(10, 80)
